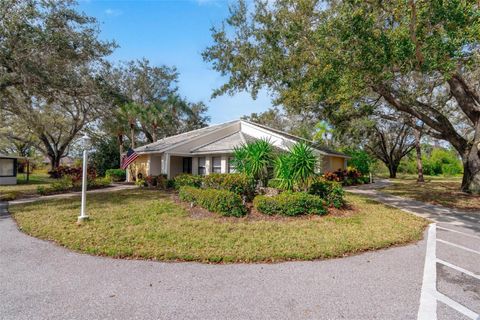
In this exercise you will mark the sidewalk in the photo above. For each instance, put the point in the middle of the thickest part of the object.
(436, 213)
(116, 187)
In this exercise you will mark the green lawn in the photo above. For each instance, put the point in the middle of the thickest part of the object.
(436, 190)
(23, 188)
(147, 224)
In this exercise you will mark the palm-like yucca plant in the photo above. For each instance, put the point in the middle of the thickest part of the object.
(303, 163)
(253, 159)
(240, 159)
(295, 168)
(284, 172)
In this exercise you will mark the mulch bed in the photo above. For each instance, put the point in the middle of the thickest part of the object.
(197, 212)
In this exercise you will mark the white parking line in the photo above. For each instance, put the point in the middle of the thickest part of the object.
(458, 246)
(457, 306)
(465, 234)
(428, 298)
(448, 264)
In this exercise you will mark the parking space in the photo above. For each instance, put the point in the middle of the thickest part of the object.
(451, 289)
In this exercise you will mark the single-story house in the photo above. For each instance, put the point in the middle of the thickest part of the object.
(210, 149)
(8, 170)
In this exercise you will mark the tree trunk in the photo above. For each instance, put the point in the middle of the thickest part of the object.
(54, 161)
(418, 149)
(120, 146)
(392, 169)
(132, 137)
(471, 170)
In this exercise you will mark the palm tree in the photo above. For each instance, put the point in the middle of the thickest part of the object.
(131, 112)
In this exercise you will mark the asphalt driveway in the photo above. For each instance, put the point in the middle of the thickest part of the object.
(40, 280)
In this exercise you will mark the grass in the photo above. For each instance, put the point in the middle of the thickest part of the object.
(25, 189)
(444, 191)
(147, 224)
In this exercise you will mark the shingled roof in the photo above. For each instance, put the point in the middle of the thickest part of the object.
(227, 142)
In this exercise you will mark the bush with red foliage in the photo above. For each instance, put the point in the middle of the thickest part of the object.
(350, 176)
(74, 173)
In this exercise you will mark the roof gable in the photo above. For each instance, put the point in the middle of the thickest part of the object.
(223, 138)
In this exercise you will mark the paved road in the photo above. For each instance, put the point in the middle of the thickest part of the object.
(40, 280)
(435, 278)
(451, 285)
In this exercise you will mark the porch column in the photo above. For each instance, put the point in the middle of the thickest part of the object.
(208, 165)
(195, 165)
(167, 165)
(149, 165)
(224, 164)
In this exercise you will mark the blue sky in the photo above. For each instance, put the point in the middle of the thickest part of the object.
(173, 33)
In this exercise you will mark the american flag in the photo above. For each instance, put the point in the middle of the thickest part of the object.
(129, 158)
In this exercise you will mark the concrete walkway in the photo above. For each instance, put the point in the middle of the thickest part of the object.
(115, 187)
(436, 213)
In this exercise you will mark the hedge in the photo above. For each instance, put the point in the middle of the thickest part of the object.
(187, 180)
(290, 204)
(224, 202)
(116, 175)
(331, 191)
(238, 183)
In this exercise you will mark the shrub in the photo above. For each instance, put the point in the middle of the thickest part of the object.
(42, 190)
(99, 183)
(360, 159)
(74, 173)
(151, 181)
(331, 191)
(159, 181)
(187, 180)
(63, 184)
(140, 182)
(224, 202)
(116, 175)
(348, 177)
(275, 183)
(238, 183)
(162, 182)
(8, 196)
(290, 204)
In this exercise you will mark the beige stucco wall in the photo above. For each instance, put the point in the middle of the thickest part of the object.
(155, 164)
(140, 165)
(332, 163)
(338, 163)
(176, 166)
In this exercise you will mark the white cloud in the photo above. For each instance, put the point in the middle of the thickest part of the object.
(207, 2)
(113, 12)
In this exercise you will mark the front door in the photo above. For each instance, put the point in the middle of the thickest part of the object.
(187, 165)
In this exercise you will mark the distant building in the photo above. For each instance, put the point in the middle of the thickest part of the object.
(8, 170)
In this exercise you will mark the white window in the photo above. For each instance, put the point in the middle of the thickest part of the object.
(231, 166)
(7, 167)
(201, 166)
(217, 165)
